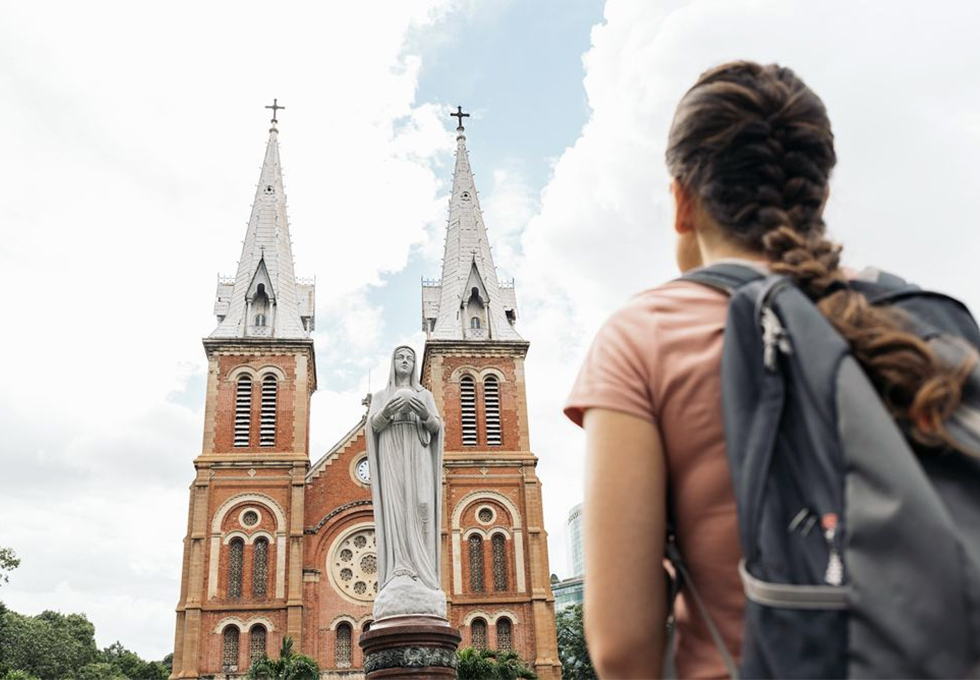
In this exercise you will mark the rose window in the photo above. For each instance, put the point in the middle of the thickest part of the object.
(250, 518)
(354, 565)
(485, 515)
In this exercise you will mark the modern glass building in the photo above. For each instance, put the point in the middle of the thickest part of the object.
(570, 591)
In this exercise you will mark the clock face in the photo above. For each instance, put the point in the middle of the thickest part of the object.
(363, 472)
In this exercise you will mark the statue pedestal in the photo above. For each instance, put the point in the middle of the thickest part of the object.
(410, 647)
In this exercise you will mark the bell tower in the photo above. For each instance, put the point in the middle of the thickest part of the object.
(241, 582)
(494, 554)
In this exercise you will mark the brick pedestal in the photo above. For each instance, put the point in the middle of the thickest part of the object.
(422, 647)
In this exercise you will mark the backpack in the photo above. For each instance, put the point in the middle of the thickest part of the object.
(861, 549)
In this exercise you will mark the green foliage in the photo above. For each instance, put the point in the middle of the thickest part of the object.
(490, 664)
(99, 671)
(572, 651)
(129, 665)
(56, 646)
(8, 562)
(18, 675)
(49, 645)
(289, 665)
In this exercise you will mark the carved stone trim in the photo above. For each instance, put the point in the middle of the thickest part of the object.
(334, 513)
(409, 657)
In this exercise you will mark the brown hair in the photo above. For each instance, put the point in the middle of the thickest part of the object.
(753, 143)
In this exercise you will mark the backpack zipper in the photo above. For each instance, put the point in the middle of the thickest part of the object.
(835, 567)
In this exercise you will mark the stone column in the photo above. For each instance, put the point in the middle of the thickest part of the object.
(422, 647)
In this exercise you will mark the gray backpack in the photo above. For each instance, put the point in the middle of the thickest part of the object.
(861, 550)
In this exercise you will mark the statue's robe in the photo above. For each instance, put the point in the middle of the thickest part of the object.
(406, 486)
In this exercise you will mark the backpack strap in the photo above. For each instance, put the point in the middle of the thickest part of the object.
(675, 557)
(725, 276)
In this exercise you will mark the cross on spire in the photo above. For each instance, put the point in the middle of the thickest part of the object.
(275, 108)
(460, 115)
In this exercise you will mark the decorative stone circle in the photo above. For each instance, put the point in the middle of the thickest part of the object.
(353, 565)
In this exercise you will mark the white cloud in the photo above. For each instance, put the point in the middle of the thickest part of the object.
(894, 77)
(136, 139)
(131, 167)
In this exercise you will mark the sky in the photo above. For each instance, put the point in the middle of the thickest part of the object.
(132, 137)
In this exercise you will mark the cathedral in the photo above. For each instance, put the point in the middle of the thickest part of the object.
(281, 543)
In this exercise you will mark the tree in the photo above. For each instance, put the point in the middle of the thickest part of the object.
(490, 664)
(129, 665)
(18, 675)
(8, 562)
(572, 650)
(50, 645)
(289, 665)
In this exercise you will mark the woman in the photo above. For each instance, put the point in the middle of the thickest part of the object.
(750, 151)
(405, 458)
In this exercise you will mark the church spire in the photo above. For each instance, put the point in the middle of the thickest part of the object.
(469, 303)
(264, 299)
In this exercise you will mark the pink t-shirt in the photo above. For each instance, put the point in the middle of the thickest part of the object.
(659, 358)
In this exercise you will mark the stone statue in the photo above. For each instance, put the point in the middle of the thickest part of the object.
(404, 445)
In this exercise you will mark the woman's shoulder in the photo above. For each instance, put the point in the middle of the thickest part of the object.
(669, 305)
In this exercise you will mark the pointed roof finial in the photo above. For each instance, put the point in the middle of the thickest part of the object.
(460, 115)
(275, 108)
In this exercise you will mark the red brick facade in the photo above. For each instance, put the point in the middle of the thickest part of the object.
(318, 519)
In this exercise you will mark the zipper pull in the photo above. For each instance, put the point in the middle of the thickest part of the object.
(835, 567)
(773, 338)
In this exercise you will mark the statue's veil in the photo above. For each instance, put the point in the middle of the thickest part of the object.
(416, 385)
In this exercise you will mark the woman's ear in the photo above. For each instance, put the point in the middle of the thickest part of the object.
(683, 208)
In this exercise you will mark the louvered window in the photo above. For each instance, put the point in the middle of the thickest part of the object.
(260, 567)
(229, 648)
(478, 633)
(256, 643)
(504, 634)
(236, 554)
(491, 403)
(267, 419)
(243, 410)
(467, 402)
(476, 563)
(499, 545)
(342, 655)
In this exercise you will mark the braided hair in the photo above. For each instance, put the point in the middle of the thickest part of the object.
(753, 143)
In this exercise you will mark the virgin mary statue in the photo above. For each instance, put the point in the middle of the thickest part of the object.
(404, 446)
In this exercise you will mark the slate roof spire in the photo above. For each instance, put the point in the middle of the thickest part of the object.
(264, 298)
(469, 303)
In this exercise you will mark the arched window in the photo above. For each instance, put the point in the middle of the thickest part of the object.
(476, 563)
(236, 554)
(260, 567)
(267, 417)
(491, 406)
(229, 648)
(499, 544)
(243, 410)
(478, 633)
(260, 304)
(504, 634)
(256, 642)
(342, 653)
(367, 626)
(467, 404)
(475, 322)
